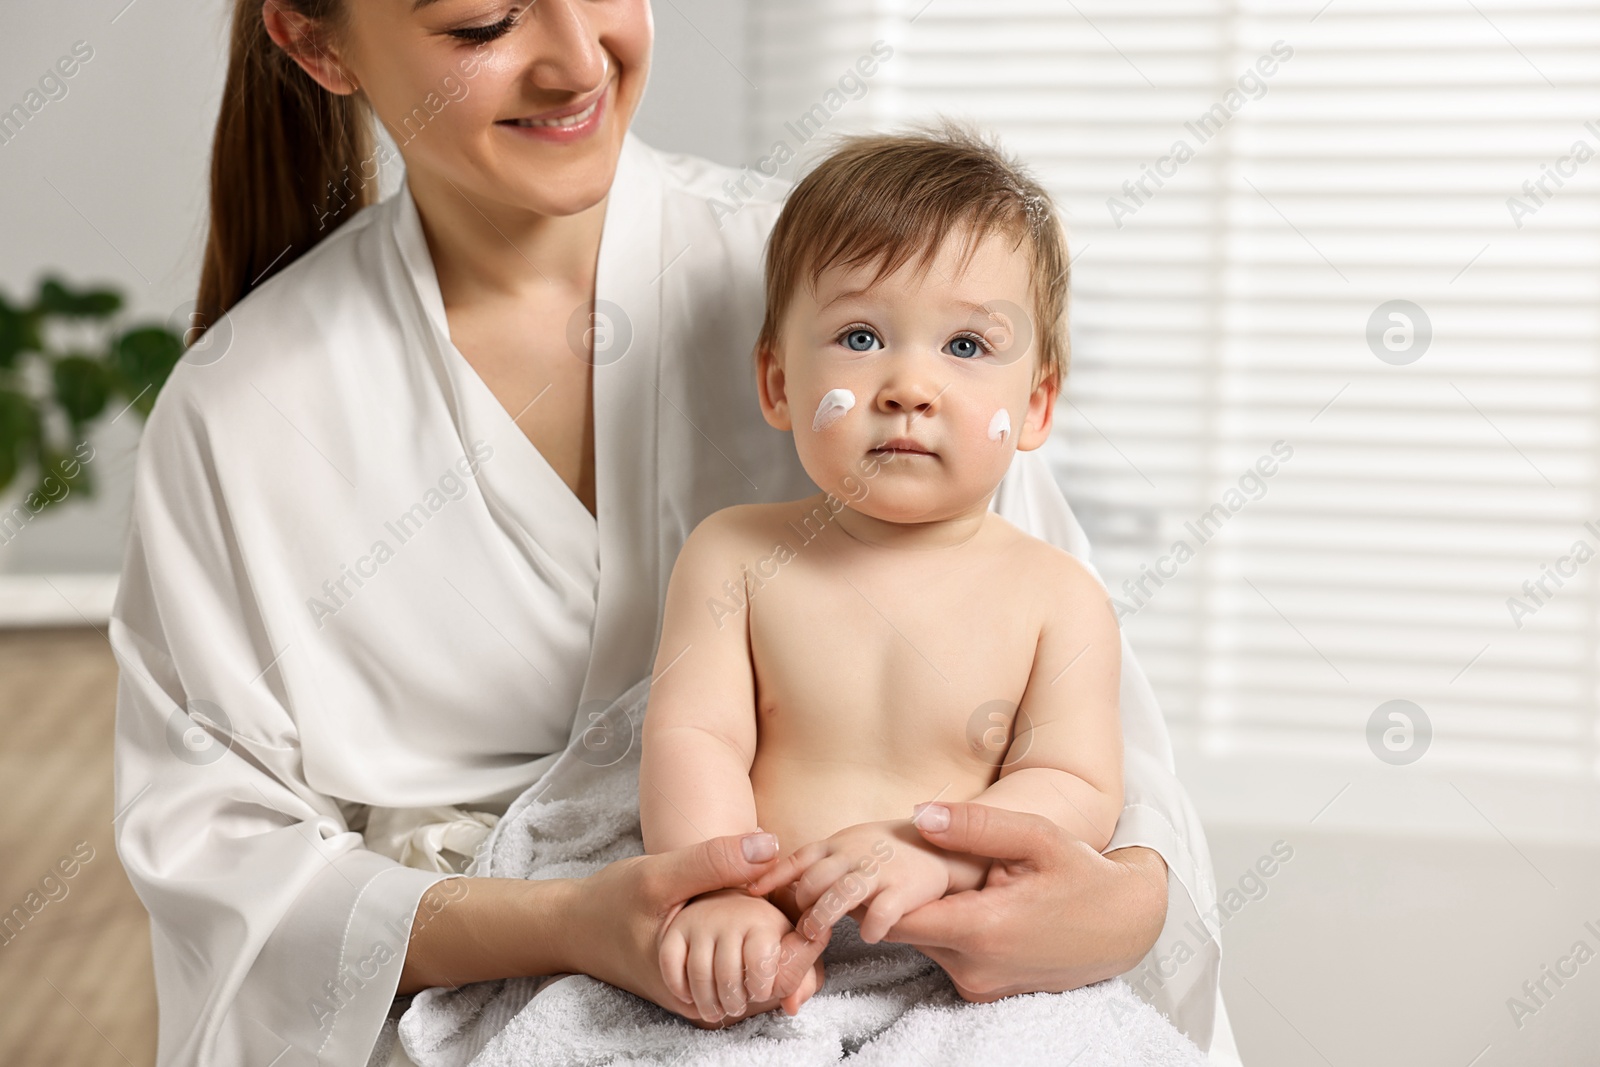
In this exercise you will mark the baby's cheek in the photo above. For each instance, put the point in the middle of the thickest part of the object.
(831, 457)
(988, 441)
(834, 405)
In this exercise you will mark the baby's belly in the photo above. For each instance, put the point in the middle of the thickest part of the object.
(805, 800)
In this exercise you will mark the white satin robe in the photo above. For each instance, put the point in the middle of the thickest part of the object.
(374, 621)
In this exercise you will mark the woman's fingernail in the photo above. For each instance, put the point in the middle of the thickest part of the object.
(758, 847)
(931, 816)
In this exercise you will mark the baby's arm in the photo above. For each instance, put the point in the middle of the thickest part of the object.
(1065, 757)
(700, 729)
(699, 738)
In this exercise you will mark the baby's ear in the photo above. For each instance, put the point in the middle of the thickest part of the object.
(1041, 414)
(771, 385)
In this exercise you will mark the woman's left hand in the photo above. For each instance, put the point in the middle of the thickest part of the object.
(1053, 915)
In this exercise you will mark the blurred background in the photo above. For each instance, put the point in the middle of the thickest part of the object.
(1331, 425)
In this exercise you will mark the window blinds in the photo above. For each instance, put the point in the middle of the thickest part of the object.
(1334, 332)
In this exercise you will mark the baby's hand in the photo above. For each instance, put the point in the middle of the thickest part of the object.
(876, 871)
(721, 952)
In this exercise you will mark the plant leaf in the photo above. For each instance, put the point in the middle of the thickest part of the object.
(19, 434)
(19, 421)
(99, 303)
(61, 474)
(55, 298)
(144, 358)
(16, 334)
(82, 388)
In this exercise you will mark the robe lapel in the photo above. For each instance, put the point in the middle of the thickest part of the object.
(544, 520)
(626, 415)
(612, 556)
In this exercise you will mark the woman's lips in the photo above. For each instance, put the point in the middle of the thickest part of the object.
(563, 125)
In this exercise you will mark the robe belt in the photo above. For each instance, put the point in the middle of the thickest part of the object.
(441, 838)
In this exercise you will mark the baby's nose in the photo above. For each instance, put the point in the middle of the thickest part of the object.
(911, 395)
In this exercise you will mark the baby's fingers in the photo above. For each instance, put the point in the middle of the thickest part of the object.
(788, 869)
(703, 978)
(835, 872)
(831, 902)
(886, 909)
(674, 960)
(799, 968)
(729, 964)
(760, 965)
(811, 981)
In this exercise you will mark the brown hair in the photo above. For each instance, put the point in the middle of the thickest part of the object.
(281, 141)
(891, 198)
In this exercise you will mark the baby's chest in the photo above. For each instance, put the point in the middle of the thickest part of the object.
(847, 668)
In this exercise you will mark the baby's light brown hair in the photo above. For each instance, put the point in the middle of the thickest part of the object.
(889, 199)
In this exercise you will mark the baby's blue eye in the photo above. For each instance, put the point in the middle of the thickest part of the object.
(964, 347)
(861, 340)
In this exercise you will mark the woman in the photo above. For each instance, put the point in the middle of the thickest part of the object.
(404, 534)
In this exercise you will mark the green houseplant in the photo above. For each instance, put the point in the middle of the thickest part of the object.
(64, 361)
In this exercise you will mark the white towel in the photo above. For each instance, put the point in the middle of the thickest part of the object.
(880, 1004)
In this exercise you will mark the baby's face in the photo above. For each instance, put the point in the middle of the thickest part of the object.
(908, 399)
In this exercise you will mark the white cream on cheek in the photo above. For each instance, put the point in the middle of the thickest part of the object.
(835, 402)
(1000, 425)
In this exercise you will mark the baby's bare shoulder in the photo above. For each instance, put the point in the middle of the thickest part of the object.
(1053, 571)
(1068, 602)
(746, 529)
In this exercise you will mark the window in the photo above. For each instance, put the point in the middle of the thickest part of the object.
(1335, 329)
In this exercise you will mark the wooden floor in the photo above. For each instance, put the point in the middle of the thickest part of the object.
(75, 982)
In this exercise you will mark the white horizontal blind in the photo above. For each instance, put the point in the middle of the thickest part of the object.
(1366, 157)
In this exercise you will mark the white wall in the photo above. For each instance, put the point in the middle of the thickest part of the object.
(699, 96)
(1403, 950)
(108, 183)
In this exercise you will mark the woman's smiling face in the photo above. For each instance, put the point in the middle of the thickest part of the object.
(520, 105)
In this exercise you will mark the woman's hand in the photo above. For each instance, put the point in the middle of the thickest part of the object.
(1053, 915)
(617, 918)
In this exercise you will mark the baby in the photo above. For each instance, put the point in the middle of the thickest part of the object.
(828, 663)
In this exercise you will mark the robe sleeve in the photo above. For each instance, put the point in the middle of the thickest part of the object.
(277, 937)
(1181, 974)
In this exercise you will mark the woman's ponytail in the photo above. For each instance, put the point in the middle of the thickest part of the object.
(282, 143)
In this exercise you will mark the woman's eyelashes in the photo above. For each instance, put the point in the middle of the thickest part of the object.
(485, 34)
(859, 338)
